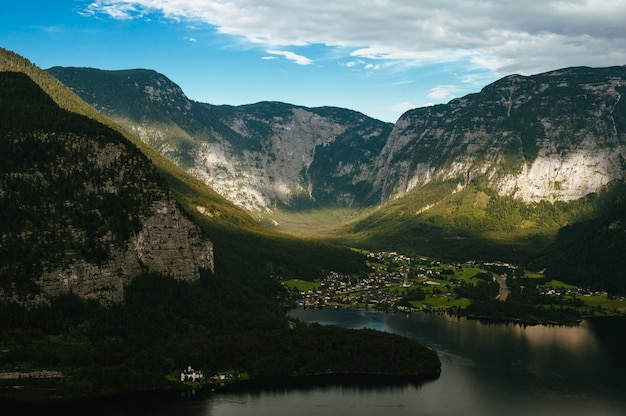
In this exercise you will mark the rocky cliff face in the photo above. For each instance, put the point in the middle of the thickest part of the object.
(168, 243)
(84, 211)
(556, 136)
(289, 155)
(268, 167)
(257, 155)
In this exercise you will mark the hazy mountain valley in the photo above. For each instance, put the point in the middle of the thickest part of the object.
(142, 230)
(494, 175)
(118, 268)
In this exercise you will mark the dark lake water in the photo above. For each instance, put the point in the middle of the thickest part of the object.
(487, 369)
(503, 369)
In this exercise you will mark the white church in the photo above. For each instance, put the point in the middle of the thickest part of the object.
(191, 375)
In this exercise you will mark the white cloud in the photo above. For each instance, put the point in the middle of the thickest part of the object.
(493, 35)
(123, 10)
(443, 92)
(403, 107)
(362, 64)
(394, 53)
(298, 59)
(403, 82)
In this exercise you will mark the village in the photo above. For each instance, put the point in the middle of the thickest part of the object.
(402, 283)
(392, 279)
(399, 283)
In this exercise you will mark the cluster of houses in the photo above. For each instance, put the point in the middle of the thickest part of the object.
(387, 269)
(390, 269)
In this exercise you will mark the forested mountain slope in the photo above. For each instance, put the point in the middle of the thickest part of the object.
(492, 175)
(110, 284)
(83, 210)
(257, 155)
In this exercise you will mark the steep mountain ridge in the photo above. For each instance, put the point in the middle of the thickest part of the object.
(496, 174)
(257, 155)
(556, 136)
(85, 205)
(83, 210)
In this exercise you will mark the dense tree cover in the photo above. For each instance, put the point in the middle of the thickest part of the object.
(69, 187)
(327, 349)
(215, 324)
(478, 292)
(593, 256)
(517, 311)
(53, 168)
(524, 303)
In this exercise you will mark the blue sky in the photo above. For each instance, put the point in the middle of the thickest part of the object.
(379, 57)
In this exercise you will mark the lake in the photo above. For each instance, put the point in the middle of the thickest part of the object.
(487, 369)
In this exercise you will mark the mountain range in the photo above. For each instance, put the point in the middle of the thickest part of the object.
(118, 269)
(556, 136)
(516, 172)
(120, 263)
(257, 155)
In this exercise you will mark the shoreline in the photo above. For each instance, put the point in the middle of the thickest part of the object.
(460, 313)
(33, 396)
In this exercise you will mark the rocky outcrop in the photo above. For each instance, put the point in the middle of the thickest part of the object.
(258, 155)
(168, 244)
(83, 210)
(556, 136)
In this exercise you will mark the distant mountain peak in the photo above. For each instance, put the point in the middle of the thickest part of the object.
(555, 136)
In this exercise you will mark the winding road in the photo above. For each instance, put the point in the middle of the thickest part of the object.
(504, 289)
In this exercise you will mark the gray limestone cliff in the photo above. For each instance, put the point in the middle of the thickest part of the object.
(168, 243)
(291, 155)
(556, 136)
(83, 210)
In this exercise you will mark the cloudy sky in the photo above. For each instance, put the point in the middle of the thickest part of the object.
(379, 57)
